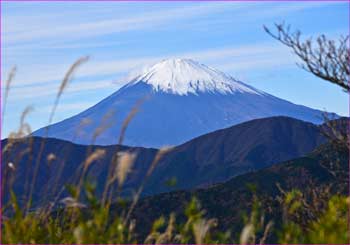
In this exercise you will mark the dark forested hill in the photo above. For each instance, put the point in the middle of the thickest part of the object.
(327, 166)
(203, 161)
(225, 153)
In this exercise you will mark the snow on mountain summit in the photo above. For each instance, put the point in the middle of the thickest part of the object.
(185, 76)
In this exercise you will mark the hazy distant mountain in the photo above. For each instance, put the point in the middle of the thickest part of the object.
(208, 159)
(182, 99)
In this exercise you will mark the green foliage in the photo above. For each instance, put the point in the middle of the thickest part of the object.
(77, 225)
(196, 229)
(72, 225)
(330, 226)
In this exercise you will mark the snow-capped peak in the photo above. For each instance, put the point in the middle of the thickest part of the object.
(185, 76)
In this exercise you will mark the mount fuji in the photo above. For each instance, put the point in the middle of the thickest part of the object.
(177, 100)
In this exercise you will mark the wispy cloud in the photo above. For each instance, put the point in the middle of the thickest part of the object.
(40, 75)
(20, 40)
(45, 27)
(44, 90)
(66, 107)
(79, 30)
(236, 60)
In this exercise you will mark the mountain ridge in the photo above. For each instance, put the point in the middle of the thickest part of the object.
(203, 161)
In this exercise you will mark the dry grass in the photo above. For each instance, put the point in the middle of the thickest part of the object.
(7, 91)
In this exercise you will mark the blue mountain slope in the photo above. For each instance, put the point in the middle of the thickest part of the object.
(181, 99)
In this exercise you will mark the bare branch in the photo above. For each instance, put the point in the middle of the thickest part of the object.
(326, 59)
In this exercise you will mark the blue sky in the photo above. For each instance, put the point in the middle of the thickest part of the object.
(43, 39)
